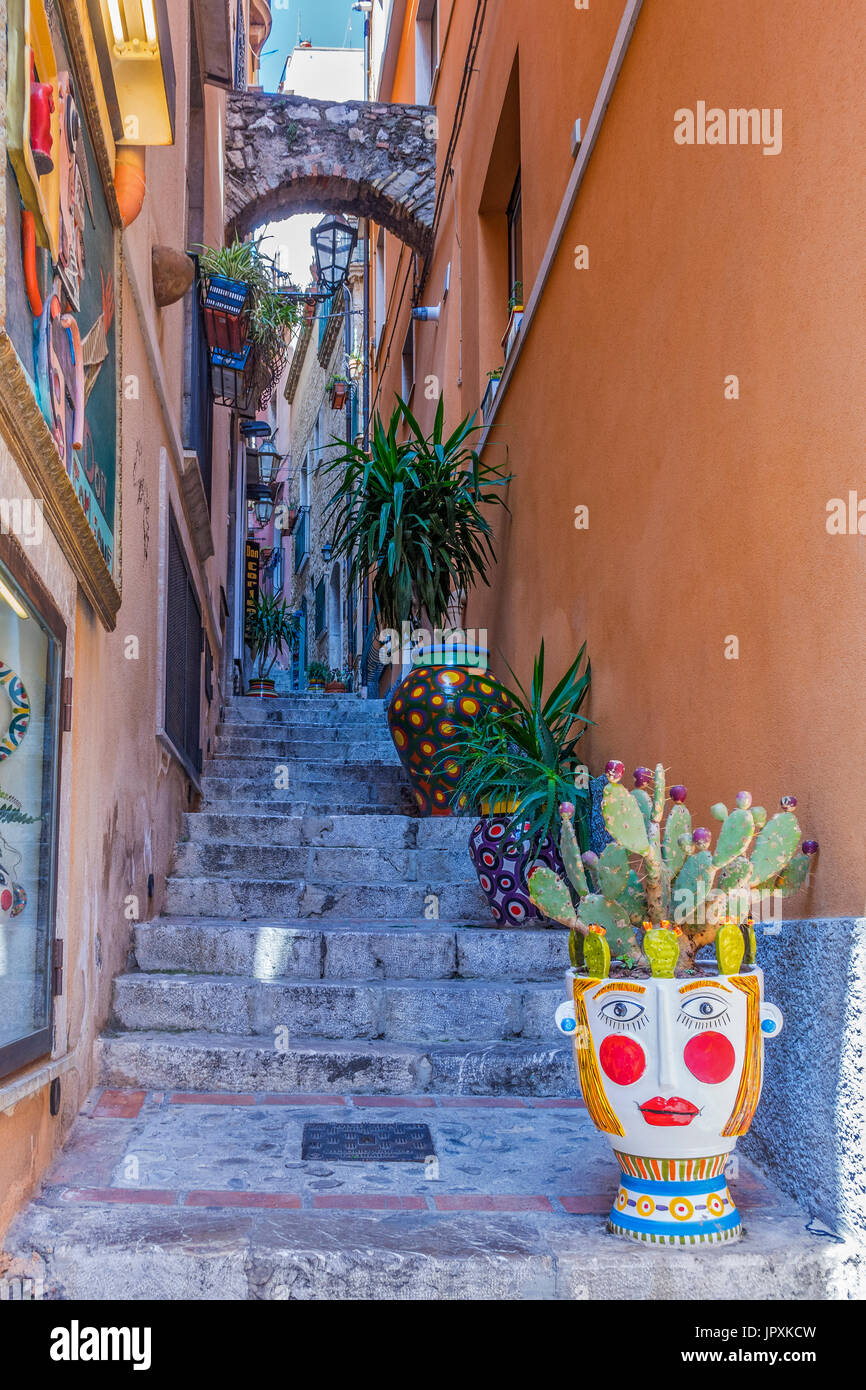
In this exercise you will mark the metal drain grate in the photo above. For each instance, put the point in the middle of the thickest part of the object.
(367, 1143)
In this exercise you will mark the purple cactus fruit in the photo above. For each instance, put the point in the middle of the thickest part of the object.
(643, 777)
(701, 837)
(788, 803)
(744, 800)
(679, 793)
(614, 770)
(589, 859)
(810, 846)
(567, 808)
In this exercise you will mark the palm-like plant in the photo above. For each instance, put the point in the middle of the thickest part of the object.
(409, 512)
(269, 627)
(525, 754)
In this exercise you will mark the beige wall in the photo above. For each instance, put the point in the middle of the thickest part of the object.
(122, 792)
(707, 516)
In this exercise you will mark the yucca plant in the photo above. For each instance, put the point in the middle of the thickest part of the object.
(240, 260)
(526, 754)
(269, 627)
(409, 513)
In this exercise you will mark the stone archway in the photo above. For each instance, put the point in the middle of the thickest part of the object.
(289, 154)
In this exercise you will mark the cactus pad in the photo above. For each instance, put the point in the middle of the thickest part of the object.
(570, 852)
(759, 816)
(697, 871)
(720, 811)
(730, 949)
(775, 846)
(575, 950)
(550, 895)
(793, 876)
(623, 818)
(644, 801)
(597, 911)
(678, 823)
(613, 871)
(633, 899)
(597, 954)
(662, 949)
(735, 836)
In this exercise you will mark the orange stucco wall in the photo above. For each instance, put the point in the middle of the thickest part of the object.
(707, 516)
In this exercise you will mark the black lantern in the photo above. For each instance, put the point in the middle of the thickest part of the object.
(333, 242)
(262, 502)
(327, 551)
(269, 462)
(255, 429)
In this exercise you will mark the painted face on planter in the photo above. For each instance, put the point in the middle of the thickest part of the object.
(672, 1068)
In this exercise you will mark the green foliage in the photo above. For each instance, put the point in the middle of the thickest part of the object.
(597, 955)
(410, 513)
(319, 672)
(240, 260)
(269, 628)
(524, 751)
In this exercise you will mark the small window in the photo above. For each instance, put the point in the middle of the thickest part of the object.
(426, 49)
(515, 243)
(408, 380)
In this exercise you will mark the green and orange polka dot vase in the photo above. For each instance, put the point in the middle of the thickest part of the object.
(427, 708)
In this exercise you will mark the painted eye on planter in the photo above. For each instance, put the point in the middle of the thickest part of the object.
(704, 1011)
(623, 1013)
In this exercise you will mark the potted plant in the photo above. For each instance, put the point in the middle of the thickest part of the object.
(318, 675)
(668, 1045)
(355, 362)
(518, 766)
(337, 683)
(338, 391)
(493, 380)
(269, 627)
(515, 316)
(272, 320)
(231, 276)
(410, 513)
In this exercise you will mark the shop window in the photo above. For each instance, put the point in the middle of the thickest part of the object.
(32, 636)
(183, 666)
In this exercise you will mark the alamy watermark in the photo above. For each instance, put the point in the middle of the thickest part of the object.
(22, 517)
(419, 644)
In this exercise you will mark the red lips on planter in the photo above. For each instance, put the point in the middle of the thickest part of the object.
(675, 1111)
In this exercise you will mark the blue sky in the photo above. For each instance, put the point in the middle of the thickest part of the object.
(325, 22)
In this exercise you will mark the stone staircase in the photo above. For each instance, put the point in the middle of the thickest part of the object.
(316, 938)
(301, 975)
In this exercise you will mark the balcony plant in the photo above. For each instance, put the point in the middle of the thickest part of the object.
(318, 675)
(519, 764)
(273, 319)
(337, 391)
(672, 1097)
(270, 627)
(337, 682)
(515, 316)
(411, 515)
(231, 278)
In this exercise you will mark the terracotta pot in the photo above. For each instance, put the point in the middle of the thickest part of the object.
(335, 688)
(426, 709)
(263, 688)
(502, 864)
(338, 396)
(671, 1071)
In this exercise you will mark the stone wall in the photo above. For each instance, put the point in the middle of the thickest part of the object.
(809, 1133)
(292, 154)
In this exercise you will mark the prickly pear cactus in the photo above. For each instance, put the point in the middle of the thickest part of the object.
(633, 899)
(678, 824)
(623, 819)
(730, 949)
(774, 847)
(661, 947)
(597, 911)
(793, 876)
(613, 871)
(696, 873)
(597, 953)
(551, 896)
(575, 949)
(570, 850)
(644, 801)
(735, 836)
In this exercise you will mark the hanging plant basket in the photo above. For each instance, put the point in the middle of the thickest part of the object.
(339, 395)
(233, 379)
(226, 305)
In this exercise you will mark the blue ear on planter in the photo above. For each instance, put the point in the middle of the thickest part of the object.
(598, 834)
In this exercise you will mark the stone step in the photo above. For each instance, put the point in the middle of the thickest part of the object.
(174, 1197)
(310, 720)
(404, 1011)
(338, 796)
(199, 1061)
(305, 770)
(309, 732)
(252, 805)
(252, 898)
(357, 831)
(351, 950)
(317, 707)
(326, 864)
(368, 749)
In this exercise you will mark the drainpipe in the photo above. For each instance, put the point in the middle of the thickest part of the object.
(129, 181)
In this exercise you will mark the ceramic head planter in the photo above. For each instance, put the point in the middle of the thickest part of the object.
(670, 1071)
(668, 1047)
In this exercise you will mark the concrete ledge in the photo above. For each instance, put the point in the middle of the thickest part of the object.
(809, 1134)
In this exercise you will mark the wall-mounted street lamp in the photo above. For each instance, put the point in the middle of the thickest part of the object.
(268, 462)
(327, 552)
(262, 502)
(133, 44)
(333, 242)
